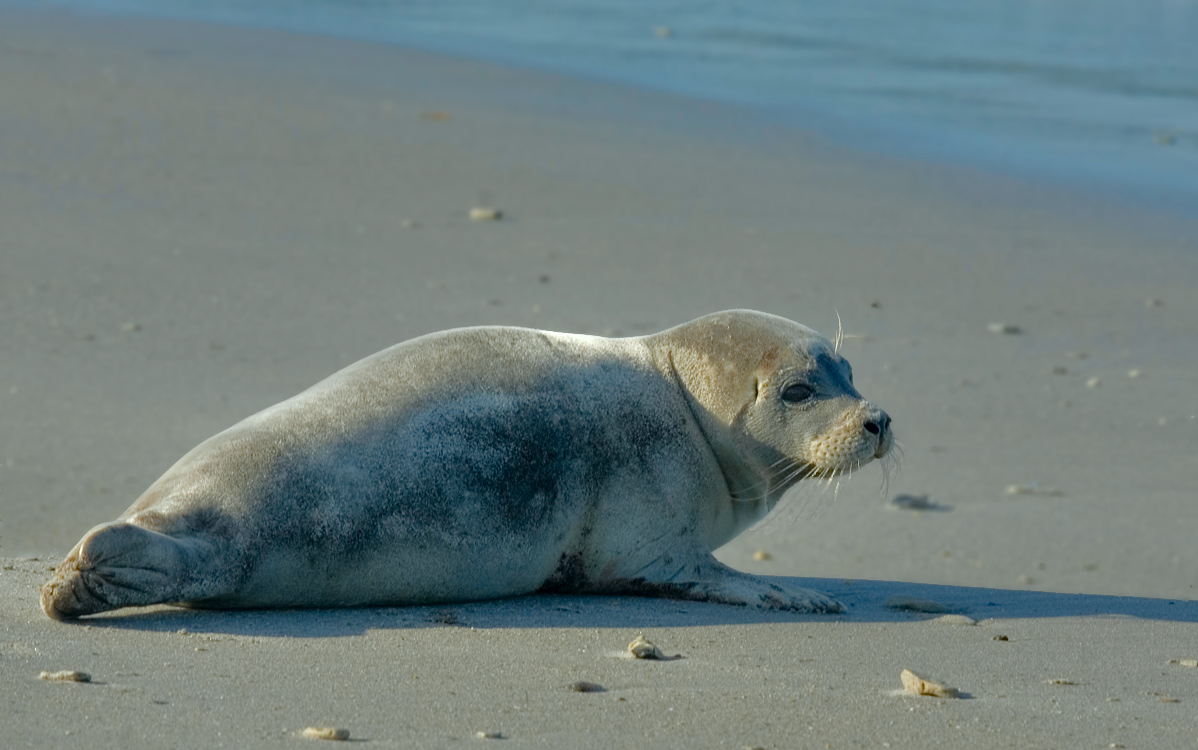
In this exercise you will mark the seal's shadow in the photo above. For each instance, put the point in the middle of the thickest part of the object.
(866, 601)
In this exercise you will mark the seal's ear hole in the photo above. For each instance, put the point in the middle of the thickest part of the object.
(797, 392)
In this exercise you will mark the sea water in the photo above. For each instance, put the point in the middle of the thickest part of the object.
(1097, 93)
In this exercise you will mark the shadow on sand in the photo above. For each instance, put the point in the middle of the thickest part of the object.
(865, 601)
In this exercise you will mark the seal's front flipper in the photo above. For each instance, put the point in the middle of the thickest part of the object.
(121, 565)
(708, 580)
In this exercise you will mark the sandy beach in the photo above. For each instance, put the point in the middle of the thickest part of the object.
(202, 221)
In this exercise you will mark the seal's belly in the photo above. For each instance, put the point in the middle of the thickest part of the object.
(477, 499)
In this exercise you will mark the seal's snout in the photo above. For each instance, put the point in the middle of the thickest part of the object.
(879, 424)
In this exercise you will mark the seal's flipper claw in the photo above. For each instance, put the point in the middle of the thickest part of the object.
(119, 565)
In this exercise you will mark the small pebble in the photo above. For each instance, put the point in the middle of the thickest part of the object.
(130, 327)
(663, 32)
(1072, 354)
(913, 502)
(1134, 373)
(409, 224)
(915, 604)
(1006, 328)
(489, 735)
(1152, 302)
(485, 214)
(1058, 370)
(1028, 489)
(954, 620)
(762, 555)
(1093, 382)
(917, 685)
(582, 686)
(1001, 638)
(325, 733)
(66, 675)
(1191, 663)
(1025, 580)
(640, 648)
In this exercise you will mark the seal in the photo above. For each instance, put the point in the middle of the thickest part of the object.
(487, 462)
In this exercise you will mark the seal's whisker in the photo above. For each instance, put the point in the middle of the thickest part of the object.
(771, 480)
(839, 334)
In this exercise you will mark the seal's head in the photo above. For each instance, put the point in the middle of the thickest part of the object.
(775, 400)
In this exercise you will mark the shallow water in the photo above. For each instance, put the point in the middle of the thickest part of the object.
(1101, 93)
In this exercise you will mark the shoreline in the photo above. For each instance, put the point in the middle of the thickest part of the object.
(1035, 158)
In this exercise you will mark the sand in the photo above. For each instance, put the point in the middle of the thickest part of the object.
(202, 221)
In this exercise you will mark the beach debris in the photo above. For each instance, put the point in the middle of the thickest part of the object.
(543, 278)
(1060, 682)
(876, 305)
(485, 214)
(1152, 302)
(762, 555)
(1134, 373)
(489, 735)
(1094, 382)
(914, 502)
(954, 620)
(915, 604)
(436, 115)
(1074, 354)
(1033, 489)
(1001, 638)
(66, 675)
(1163, 698)
(663, 32)
(1025, 580)
(1059, 370)
(641, 648)
(409, 224)
(1191, 663)
(130, 327)
(1009, 329)
(582, 686)
(917, 685)
(326, 733)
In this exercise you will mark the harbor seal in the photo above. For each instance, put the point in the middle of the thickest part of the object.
(487, 462)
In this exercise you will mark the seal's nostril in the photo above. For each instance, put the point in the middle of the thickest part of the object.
(871, 428)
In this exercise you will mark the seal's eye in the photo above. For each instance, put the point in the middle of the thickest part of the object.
(797, 392)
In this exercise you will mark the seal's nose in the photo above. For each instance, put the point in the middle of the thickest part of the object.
(879, 425)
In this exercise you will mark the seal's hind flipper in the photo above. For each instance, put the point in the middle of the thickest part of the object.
(121, 565)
